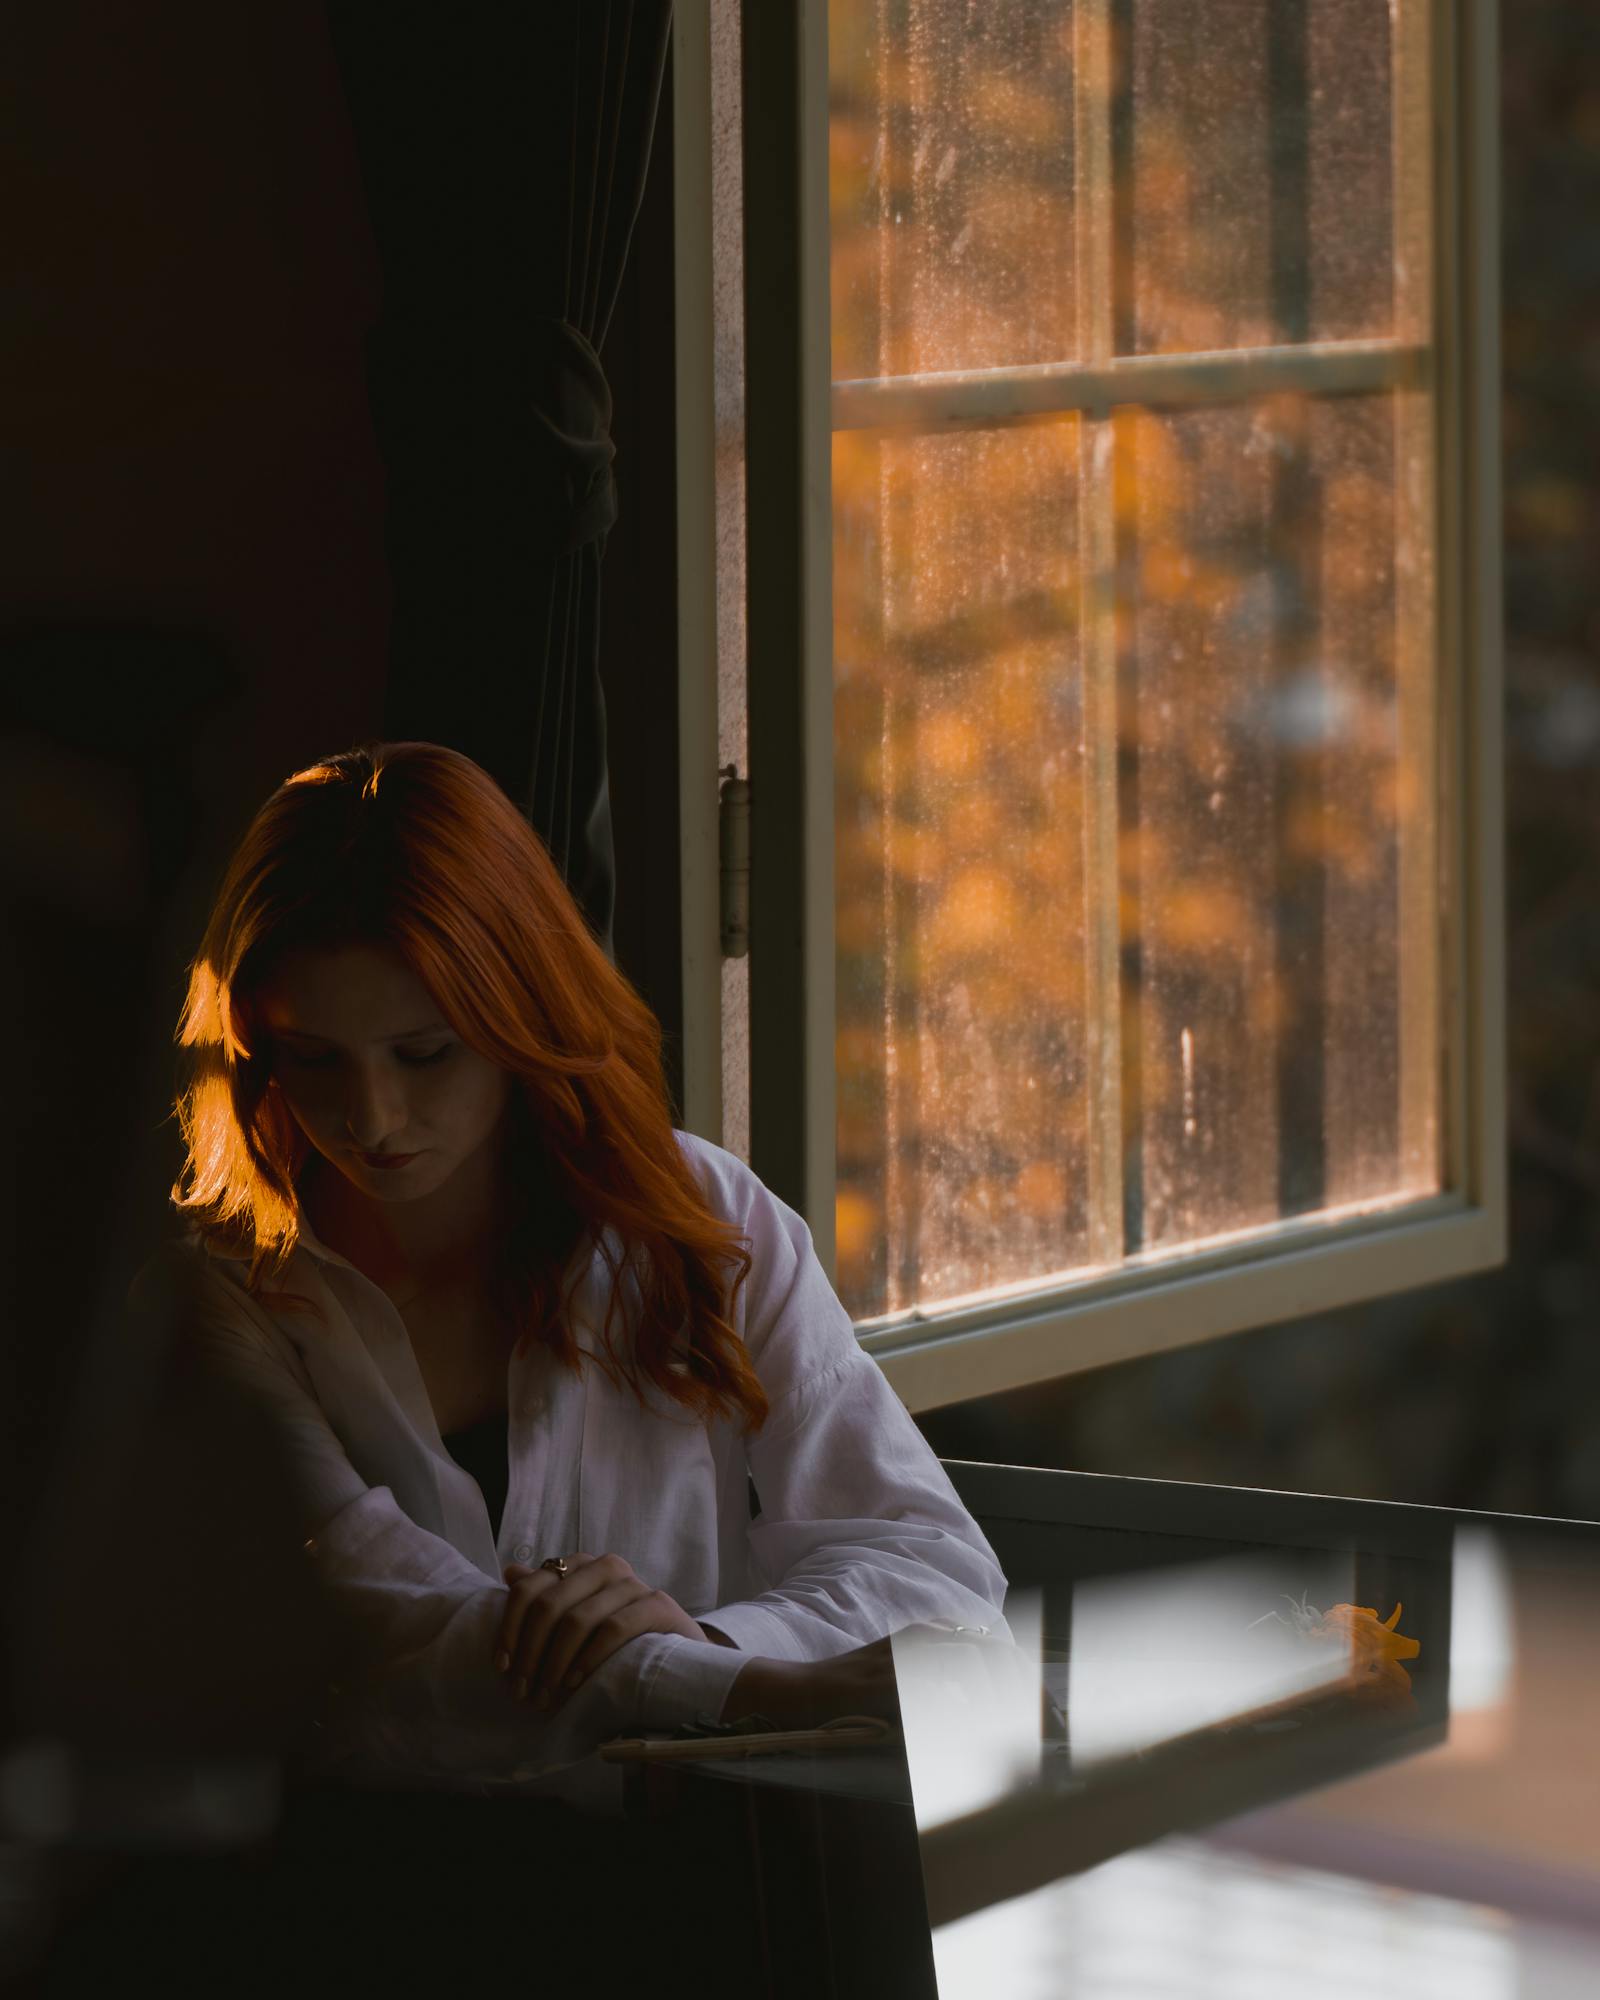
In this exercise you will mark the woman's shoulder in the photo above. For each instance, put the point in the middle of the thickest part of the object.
(787, 1286)
(180, 1254)
(737, 1194)
(193, 1265)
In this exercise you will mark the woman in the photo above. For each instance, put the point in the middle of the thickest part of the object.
(528, 1346)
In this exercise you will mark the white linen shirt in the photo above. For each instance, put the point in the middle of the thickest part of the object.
(860, 1531)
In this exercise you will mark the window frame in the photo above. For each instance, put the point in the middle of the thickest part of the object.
(940, 1356)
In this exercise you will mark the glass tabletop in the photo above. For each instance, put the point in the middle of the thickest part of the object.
(1253, 1743)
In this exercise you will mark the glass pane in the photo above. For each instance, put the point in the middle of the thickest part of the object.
(951, 167)
(1255, 173)
(1138, 895)
(1271, 792)
(960, 800)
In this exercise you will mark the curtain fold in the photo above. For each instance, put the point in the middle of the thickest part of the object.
(504, 157)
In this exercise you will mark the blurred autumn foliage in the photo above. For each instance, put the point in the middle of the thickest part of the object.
(1126, 978)
(1484, 1393)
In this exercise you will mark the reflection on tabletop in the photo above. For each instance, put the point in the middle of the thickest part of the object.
(1233, 1779)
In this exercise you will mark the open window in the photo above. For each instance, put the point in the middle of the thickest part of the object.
(1089, 543)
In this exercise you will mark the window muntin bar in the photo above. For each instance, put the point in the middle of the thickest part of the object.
(1097, 641)
(1158, 381)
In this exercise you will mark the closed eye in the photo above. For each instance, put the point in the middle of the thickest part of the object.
(412, 1058)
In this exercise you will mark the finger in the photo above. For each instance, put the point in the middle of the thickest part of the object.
(542, 1615)
(525, 1587)
(547, 1618)
(613, 1628)
(522, 1595)
(578, 1630)
(512, 1569)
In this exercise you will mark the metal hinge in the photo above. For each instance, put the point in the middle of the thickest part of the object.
(733, 841)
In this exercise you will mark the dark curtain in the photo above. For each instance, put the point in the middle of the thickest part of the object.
(503, 153)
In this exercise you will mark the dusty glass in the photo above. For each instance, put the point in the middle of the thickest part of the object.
(1138, 896)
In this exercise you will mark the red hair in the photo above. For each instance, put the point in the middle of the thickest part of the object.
(415, 847)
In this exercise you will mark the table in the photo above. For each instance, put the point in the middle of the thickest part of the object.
(1165, 1788)
(1236, 1785)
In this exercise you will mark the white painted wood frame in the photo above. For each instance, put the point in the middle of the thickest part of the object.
(1204, 1292)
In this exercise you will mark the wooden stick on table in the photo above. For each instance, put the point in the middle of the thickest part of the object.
(849, 1732)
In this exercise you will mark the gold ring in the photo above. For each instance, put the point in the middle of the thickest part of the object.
(557, 1563)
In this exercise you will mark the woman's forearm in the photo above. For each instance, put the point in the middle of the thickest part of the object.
(761, 1687)
(771, 1688)
(804, 1694)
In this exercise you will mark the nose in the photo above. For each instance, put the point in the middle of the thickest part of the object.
(375, 1111)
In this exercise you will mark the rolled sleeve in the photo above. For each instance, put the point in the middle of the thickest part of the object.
(684, 1677)
(860, 1532)
(424, 1694)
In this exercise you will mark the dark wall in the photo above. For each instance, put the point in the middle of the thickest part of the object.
(192, 592)
(196, 587)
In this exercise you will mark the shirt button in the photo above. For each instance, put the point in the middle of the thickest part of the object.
(522, 1552)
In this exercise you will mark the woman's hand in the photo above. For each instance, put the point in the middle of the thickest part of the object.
(804, 1694)
(557, 1629)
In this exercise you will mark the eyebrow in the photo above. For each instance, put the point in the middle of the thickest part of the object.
(410, 1035)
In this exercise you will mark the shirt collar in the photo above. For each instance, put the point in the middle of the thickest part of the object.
(306, 1239)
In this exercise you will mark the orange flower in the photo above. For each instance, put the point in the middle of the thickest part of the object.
(1376, 1650)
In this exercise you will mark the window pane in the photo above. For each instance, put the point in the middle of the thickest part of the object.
(959, 793)
(1257, 173)
(1138, 895)
(952, 185)
(1270, 790)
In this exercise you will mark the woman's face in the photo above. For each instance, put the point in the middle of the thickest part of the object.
(369, 1067)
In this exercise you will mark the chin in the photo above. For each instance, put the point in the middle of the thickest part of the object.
(396, 1197)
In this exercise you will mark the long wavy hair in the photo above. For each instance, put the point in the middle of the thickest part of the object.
(414, 847)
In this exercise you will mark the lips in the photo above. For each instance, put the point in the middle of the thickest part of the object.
(388, 1159)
